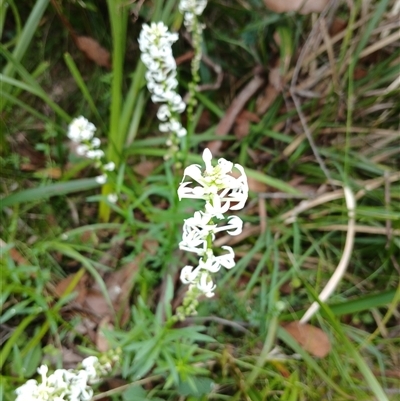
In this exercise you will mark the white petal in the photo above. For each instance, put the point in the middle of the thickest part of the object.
(206, 285)
(207, 157)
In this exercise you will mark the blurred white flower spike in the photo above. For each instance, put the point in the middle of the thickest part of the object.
(221, 192)
(191, 9)
(71, 384)
(155, 43)
(81, 131)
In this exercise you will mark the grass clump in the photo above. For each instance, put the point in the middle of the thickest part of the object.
(306, 103)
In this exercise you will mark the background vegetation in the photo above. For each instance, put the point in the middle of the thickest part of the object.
(307, 103)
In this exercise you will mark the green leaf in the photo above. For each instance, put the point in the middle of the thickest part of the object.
(198, 386)
(47, 191)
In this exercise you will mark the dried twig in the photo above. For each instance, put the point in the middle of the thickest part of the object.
(344, 261)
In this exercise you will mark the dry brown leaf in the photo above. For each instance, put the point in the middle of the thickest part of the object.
(151, 246)
(70, 358)
(256, 186)
(101, 341)
(311, 338)
(359, 73)
(94, 51)
(87, 327)
(80, 287)
(96, 303)
(338, 25)
(119, 279)
(242, 126)
(302, 6)
(145, 168)
(50, 172)
(15, 255)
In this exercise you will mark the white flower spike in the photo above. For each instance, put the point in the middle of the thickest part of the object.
(221, 192)
(66, 385)
(155, 43)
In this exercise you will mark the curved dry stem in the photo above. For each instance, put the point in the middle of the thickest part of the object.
(344, 261)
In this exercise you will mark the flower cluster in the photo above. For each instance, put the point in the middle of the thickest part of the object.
(191, 9)
(221, 192)
(67, 385)
(81, 131)
(155, 43)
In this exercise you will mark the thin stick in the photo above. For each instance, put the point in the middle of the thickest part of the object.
(344, 261)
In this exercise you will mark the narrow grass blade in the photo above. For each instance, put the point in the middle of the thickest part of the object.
(24, 40)
(81, 84)
(354, 306)
(47, 191)
(35, 91)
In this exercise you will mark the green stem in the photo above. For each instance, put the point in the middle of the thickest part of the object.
(116, 138)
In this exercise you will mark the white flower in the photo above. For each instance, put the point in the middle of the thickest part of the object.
(194, 6)
(81, 129)
(89, 366)
(193, 240)
(214, 263)
(190, 9)
(82, 149)
(189, 274)
(218, 188)
(109, 166)
(95, 142)
(94, 154)
(206, 285)
(65, 385)
(233, 227)
(101, 179)
(112, 198)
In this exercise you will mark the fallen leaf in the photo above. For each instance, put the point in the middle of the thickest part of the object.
(96, 303)
(15, 255)
(311, 338)
(256, 186)
(87, 327)
(93, 51)
(102, 343)
(146, 167)
(151, 246)
(301, 6)
(359, 73)
(70, 358)
(80, 287)
(338, 25)
(50, 172)
(242, 126)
